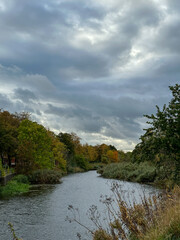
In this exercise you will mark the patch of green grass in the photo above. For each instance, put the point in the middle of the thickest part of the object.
(13, 188)
(21, 179)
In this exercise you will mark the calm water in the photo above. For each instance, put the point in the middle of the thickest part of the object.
(40, 214)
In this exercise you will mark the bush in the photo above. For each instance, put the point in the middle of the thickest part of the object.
(45, 176)
(143, 172)
(82, 162)
(21, 179)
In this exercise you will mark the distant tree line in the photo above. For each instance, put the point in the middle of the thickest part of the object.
(35, 147)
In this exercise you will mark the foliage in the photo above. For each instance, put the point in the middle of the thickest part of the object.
(43, 176)
(102, 235)
(13, 232)
(2, 170)
(34, 149)
(161, 142)
(21, 179)
(127, 219)
(67, 139)
(59, 151)
(143, 172)
(82, 162)
(89, 152)
(75, 169)
(9, 124)
(13, 188)
(8, 134)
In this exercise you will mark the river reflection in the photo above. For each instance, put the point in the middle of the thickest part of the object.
(41, 213)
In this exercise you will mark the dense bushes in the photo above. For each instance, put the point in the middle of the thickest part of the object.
(21, 179)
(45, 176)
(143, 172)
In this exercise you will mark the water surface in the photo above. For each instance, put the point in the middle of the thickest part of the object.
(41, 214)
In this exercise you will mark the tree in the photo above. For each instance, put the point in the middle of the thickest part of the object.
(161, 142)
(67, 139)
(34, 147)
(112, 156)
(8, 135)
(59, 151)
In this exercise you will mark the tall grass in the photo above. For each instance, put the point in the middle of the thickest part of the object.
(45, 176)
(156, 218)
(143, 172)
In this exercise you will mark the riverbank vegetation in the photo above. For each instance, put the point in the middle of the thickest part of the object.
(18, 185)
(155, 218)
(29, 147)
(143, 172)
(157, 157)
(39, 153)
(43, 176)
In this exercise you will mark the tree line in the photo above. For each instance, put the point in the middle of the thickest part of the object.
(33, 147)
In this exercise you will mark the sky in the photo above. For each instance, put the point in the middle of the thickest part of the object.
(89, 67)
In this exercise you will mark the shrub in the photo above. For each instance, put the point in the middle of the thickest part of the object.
(82, 162)
(143, 172)
(43, 176)
(21, 179)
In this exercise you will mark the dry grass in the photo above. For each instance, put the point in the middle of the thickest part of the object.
(167, 221)
(156, 218)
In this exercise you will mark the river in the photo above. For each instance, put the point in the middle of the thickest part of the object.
(41, 213)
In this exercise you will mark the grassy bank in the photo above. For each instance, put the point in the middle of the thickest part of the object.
(18, 185)
(21, 183)
(142, 173)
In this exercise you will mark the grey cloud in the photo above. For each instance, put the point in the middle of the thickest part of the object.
(5, 102)
(89, 68)
(169, 36)
(24, 94)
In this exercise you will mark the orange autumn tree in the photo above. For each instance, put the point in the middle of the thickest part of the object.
(112, 156)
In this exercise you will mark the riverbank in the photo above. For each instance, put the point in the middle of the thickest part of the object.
(21, 183)
(148, 220)
(155, 218)
(18, 185)
(144, 172)
(41, 213)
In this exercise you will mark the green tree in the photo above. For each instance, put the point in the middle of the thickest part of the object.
(161, 142)
(34, 147)
(59, 151)
(8, 135)
(67, 139)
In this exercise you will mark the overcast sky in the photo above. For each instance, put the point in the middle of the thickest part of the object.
(89, 67)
